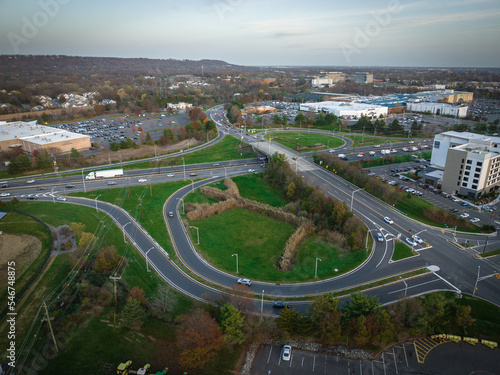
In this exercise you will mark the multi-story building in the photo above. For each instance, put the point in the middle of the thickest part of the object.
(471, 163)
(436, 108)
(362, 77)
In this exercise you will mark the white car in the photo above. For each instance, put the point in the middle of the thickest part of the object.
(61, 199)
(5, 195)
(418, 239)
(372, 153)
(30, 181)
(142, 180)
(410, 241)
(464, 215)
(474, 220)
(286, 353)
(170, 175)
(251, 170)
(360, 155)
(388, 220)
(244, 282)
(380, 238)
(377, 146)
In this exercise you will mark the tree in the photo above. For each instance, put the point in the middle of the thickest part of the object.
(359, 330)
(85, 239)
(138, 294)
(463, 317)
(197, 114)
(277, 119)
(133, 313)
(360, 304)
(106, 260)
(14, 201)
(300, 118)
(169, 135)
(232, 322)
(199, 338)
(149, 140)
(164, 301)
(75, 153)
(77, 228)
(290, 191)
(114, 146)
(326, 318)
(289, 320)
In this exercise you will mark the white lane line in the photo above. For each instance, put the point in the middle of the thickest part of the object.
(269, 356)
(414, 286)
(314, 361)
(383, 257)
(447, 282)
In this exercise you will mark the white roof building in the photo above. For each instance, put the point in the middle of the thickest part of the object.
(346, 109)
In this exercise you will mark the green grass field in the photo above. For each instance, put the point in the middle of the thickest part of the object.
(254, 187)
(401, 251)
(306, 141)
(359, 140)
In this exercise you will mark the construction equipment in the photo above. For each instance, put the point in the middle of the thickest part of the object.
(124, 368)
(164, 372)
(144, 370)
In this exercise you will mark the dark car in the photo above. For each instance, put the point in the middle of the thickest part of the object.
(4, 186)
(280, 304)
(70, 186)
(32, 197)
(41, 188)
(453, 210)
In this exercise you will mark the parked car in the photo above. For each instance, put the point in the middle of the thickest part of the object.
(453, 209)
(465, 204)
(286, 353)
(280, 304)
(244, 282)
(388, 220)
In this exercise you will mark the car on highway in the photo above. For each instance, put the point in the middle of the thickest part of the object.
(62, 199)
(465, 204)
(244, 282)
(411, 241)
(142, 180)
(3, 186)
(251, 170)
(32, 197)
(170, 175)
(464, 215)
(111, 183)
(286, 353)
(377, 146)
(41, 188)
(280, 304)
(388, 220)
(193, 174)
(5, 195)
(70, 186)
(30, 181)
(170, 214)
(360, 155)
(418, 239)
(475, 220)
(215, 165)
(380, 238)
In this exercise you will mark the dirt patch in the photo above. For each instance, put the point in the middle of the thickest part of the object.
(21, 248)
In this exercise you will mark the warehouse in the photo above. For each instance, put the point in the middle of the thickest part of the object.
(346, 109)
(437, 108)
(30, 137)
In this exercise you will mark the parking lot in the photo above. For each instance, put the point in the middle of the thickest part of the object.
(424, 357)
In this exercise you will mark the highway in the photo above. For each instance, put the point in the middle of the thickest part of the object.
(449, 267)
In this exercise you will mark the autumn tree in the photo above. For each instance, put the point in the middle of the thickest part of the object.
(359, 330)
(463, 317)
(289, 320)
(106, 260)
(138, 294)
(232, 322)
(86, 239)
(77, 228)
(199, 339)
(326, 318)
(197, 114)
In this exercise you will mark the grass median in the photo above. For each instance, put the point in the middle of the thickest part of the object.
(306, 142)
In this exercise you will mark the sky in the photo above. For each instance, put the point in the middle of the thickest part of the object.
(459, 33)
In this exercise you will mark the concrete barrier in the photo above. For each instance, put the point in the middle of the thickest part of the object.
(471, 340)
(454, 338)
(490, 344)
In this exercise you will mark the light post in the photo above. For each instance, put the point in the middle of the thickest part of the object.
(123, 229)
(183, 212)
(147, 265)
(197, 233)
(262, 304)
(316, 269)
(192, 185)
(269, 145)
(406, 285)
(95, 199)
(225, 170)
(475, 285)
(52, 193)
(236, 255)
(83, 180)
(184, 167)
(352, 196)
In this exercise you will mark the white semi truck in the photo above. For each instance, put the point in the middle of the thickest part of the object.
(109, 173)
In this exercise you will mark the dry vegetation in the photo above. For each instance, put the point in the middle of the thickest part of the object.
(23, 249)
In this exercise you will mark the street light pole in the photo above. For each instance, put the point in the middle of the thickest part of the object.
(183, 212)
(352, 196)
(123, 229)
(225, 170)
(262, 304)
(147, 264)
(475, 285)
(192, 185)
(236, 255)
(197, 233)
(83, 180)
(406, 285)
(184, 166)
(316, 269)
(95, 199)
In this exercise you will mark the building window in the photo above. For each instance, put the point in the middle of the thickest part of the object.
(479, 163)
(463, 161)
(466, 178)
(469, 161)
(464, 184)
(467, 167)
(478, 169)
(476, 175)
(475, 181)
(474, 186)
(467, 173)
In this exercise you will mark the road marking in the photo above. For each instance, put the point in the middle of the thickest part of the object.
(314, 361)
(424, 346)
(269, 356)
(453, 286)
(414, 286)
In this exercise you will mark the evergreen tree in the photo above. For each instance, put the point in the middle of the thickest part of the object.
(232, 323)
(133, 313)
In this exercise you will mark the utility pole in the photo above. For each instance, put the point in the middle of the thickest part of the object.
(140, 204)
(50, 326)
(114, 278)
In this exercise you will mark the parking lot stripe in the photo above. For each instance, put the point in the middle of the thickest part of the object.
(269, 356)
(423, 347)
(314, 361)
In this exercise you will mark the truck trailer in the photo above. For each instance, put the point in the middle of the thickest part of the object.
(109, 173)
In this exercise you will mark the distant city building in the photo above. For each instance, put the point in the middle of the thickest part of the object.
(362, 77)
(436, 108)
(336, 77)
(329, 79)
(470, 162)
(345, 109)
(259, 109)
(179, 106)
(30, 137)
